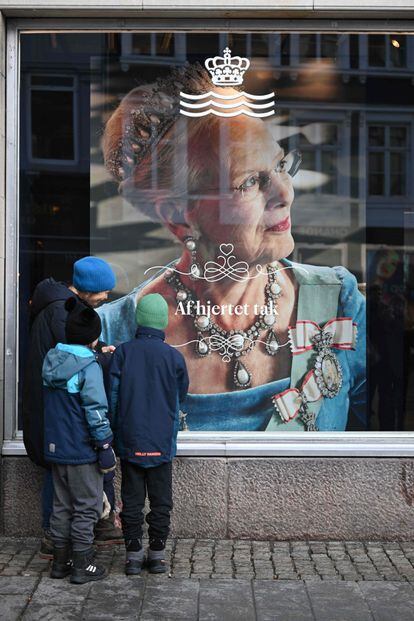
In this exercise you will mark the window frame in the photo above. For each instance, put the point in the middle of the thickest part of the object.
(366, 69)
(387, 118)
(229, 444)
(388, 149)
(74, 89)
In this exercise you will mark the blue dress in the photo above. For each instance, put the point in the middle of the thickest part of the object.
(252, 409)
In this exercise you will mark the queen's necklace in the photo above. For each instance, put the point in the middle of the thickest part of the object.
(232, 344)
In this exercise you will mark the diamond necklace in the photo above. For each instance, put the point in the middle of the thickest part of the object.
(231, 344)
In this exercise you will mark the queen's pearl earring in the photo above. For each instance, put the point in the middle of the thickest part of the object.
(195, 270)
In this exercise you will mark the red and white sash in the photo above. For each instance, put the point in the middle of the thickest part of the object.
(342, 329)
(289, 402)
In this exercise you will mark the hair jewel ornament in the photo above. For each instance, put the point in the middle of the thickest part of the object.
(147, 113)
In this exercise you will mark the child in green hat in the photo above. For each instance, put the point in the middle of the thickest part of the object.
(149, 383)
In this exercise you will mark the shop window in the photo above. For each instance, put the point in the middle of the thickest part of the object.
(389, 51)
(52, 136)
(141, 209)
(387, 160)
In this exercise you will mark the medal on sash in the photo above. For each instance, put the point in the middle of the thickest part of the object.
(325, 378)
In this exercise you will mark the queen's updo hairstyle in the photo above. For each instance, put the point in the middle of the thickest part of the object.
(163, 160)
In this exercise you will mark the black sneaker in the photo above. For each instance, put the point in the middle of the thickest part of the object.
(46, 545)
(84, 568)
(62, 564)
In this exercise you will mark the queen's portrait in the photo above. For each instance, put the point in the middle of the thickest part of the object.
(270, 344)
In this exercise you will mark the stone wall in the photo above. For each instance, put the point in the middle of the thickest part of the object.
(266, 498)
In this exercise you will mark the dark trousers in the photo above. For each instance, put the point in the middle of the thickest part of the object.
(137, 482)
(47, 497)
(77, 504)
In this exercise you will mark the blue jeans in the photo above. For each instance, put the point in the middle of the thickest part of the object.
(48, 492)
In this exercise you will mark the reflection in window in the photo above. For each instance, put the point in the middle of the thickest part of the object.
(164, 44)
(328, 46)
(259, 44)
(154, 44)
(206, 45)
(387, 51)
(313, 46)
(52, 132)
(387, 160)
(307, 47)
(319, 145)
(284, 49)
(238, 43)
(141, 43)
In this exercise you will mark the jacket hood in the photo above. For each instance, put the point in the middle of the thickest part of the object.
(63, 362)
(46, 292)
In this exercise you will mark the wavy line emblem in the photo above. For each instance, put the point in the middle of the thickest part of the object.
(227, 70)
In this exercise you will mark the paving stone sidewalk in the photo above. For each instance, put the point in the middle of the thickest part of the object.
(220, 580)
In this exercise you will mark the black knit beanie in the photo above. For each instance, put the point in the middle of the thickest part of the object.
(83, 324)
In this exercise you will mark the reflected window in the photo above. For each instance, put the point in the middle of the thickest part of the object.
(204, 45)
(238, 43)
(388, 51)
(259, 44)
(320, 254)
(254, 44)
(387, 160)
(154, 44)
(319, 144)
(307, 47)
(313, 46)
(52, 116)
(284, 49)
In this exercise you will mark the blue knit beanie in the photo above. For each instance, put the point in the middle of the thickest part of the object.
(93, 275)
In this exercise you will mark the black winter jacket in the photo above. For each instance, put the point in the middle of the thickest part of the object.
(149, 382)
(47, 328)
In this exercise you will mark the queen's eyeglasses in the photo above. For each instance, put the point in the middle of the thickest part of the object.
(259, 182)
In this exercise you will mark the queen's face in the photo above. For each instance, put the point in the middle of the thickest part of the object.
(251, 202)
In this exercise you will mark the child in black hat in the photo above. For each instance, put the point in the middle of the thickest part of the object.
(78, 441)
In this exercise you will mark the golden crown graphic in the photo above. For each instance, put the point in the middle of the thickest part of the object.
(227, 69)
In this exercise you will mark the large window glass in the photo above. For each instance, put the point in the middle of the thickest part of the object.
(261, 183)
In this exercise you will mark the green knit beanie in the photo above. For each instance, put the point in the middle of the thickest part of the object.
(152, 311)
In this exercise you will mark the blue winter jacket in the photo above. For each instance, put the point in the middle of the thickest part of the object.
(75, 405)
(149, 382)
